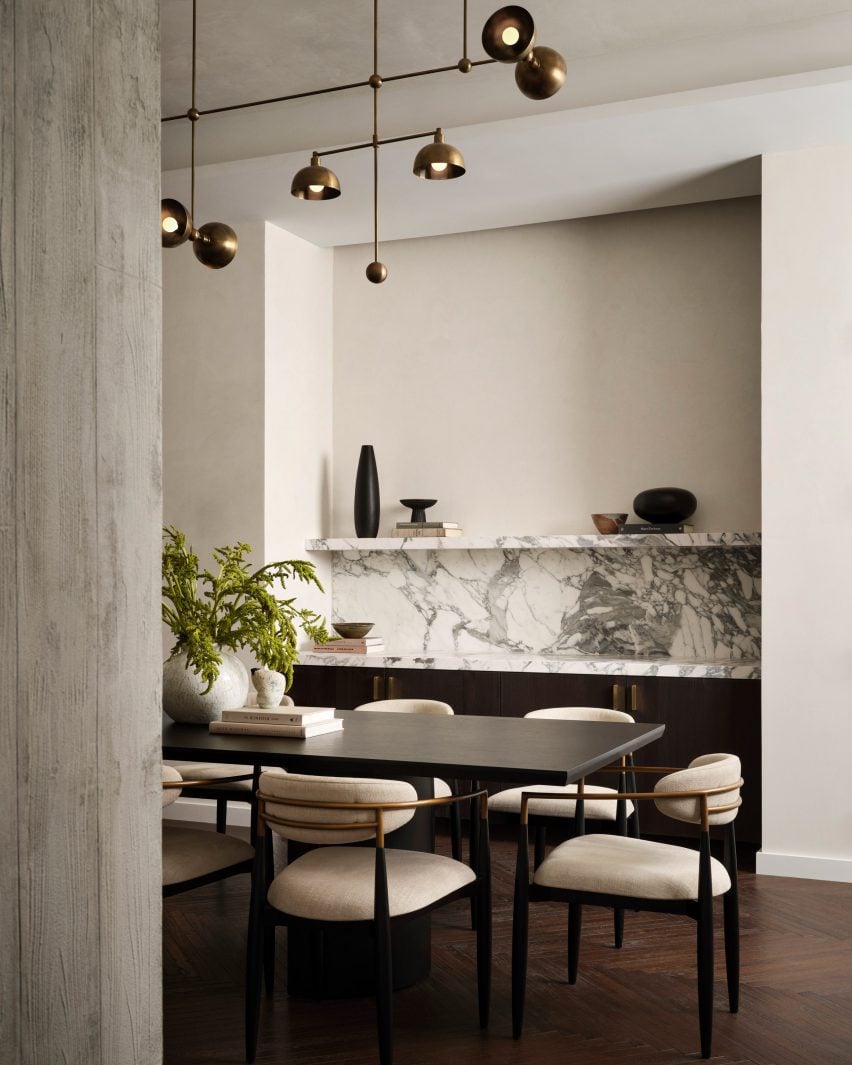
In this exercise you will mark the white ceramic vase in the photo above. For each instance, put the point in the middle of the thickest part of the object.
(269, 685)
(183, 700)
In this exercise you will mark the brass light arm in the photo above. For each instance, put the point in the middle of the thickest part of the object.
(369, 144)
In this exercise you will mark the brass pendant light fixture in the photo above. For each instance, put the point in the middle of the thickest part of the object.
(215, 243)
(507, 37)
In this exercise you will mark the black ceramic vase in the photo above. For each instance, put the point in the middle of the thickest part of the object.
(665, 506)
(367, 494)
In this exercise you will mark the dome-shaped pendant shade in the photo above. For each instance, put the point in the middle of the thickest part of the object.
(509, 34)
(315, 182)
(541, 74)
(439, 161)
(215, 245)
(175, 223)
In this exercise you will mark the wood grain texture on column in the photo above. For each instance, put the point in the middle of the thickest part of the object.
(86, 539)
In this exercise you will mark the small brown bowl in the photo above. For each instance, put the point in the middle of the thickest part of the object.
(607, 524)
(352, 630)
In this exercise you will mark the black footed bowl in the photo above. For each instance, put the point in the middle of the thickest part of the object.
(665, 506)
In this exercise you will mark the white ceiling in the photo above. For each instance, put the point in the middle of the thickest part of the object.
(666, 101)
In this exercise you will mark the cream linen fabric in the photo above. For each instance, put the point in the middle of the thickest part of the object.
(621, 865)
(582, 713)
(408, 706)
(338, 883)
(214, 771)
(510, 802)
(170, 794)
(192, 852)
(281, 785)
(708, 771)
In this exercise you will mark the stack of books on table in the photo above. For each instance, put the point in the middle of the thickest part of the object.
(298, 722)
(427, 528)
(680, 527)
(366, 645)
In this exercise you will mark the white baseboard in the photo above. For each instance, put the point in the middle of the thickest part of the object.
(805, 866)
(203, 811)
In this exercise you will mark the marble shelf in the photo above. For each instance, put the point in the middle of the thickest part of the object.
(567, 542)
(522, 662)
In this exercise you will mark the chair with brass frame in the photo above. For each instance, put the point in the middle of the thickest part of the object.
(193, 857)
(442, 789)
(335, 884)
(621, 871)
(558, 809)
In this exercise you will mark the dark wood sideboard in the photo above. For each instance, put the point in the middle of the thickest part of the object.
(701, 715)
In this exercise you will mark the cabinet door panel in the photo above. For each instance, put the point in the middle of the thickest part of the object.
(343, 687)
(522, 692)
(701, 717)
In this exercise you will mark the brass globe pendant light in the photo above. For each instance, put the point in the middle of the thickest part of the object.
(439, 161)
(215, 243)
(508, 36)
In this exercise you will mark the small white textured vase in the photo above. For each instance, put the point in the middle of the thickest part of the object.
(269, 685)
(182, 690)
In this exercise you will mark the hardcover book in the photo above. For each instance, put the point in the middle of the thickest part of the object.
(428, 525)
(632, 529)
(421, 531)
(283, 715)
(265, 728)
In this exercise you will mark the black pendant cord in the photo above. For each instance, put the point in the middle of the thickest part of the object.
(193, 115)
(376, 131)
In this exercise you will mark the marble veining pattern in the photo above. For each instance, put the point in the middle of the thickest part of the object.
(694, 605)
(531, 543)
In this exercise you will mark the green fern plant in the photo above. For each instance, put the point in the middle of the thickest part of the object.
(234, 607)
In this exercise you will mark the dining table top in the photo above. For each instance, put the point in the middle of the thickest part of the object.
(520, 750)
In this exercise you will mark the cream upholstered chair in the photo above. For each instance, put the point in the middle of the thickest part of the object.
(192, 856)
(214, 786)
(338, 884)
(605, 870)
(442, 788)
(555, 810)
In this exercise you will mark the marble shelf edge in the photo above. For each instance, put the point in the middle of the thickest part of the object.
(730, 669)
(537, 543)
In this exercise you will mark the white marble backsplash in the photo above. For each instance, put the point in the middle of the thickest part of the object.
(681, 603)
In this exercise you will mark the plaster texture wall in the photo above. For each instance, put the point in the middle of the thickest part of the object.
(80, 509)
(807, 455)
(528, 377)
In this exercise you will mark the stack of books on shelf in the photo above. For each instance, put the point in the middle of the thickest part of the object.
(297, 722)
(365, 645)
(629, 529)
(427, 528)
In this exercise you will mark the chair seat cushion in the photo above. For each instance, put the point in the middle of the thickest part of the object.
(213, 771)
(509, 802)
(191, 852)
(621, 865)
(337, 883)
(442, 789)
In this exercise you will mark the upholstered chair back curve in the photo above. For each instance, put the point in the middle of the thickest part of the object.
(170, 775)
(275, 784)
(408, 706)
(582, 713)
(707, 772)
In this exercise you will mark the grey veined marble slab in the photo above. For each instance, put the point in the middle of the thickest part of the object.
(566, 542)
(690, 605)
(502, 662)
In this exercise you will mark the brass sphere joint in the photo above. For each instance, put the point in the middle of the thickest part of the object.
(465, 65)
(193, 114)
(376, 272)
(375, 81)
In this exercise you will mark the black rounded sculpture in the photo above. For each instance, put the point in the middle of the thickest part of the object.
(665, 506)
(367, 506)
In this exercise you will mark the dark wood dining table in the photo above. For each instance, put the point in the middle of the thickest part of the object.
(416, 748)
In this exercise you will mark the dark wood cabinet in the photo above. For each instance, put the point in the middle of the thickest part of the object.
(702, 716)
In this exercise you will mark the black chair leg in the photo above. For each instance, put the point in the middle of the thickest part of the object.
(384, 964)
(254, 959)
(575, 925)
(474, 846)
(618, 922)
(731, 911)
(221, 814)
(705, 950)
(269, 958)
(539, 845)
(456, 831)
(520, 940)
(483, 931)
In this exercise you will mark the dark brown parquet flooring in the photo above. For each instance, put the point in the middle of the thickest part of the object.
(636, 1006)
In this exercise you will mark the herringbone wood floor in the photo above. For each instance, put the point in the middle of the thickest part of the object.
(636, 1006)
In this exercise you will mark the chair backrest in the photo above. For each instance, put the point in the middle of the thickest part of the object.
(708, 771)
(276, 784)
(582, 713)
(170, 775)
(408, 706)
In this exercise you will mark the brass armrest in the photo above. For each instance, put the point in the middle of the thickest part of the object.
(206, 783)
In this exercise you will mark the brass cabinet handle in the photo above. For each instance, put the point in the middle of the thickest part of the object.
(616, 696)
(391, 687)
(634, 698)
(377, 688)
